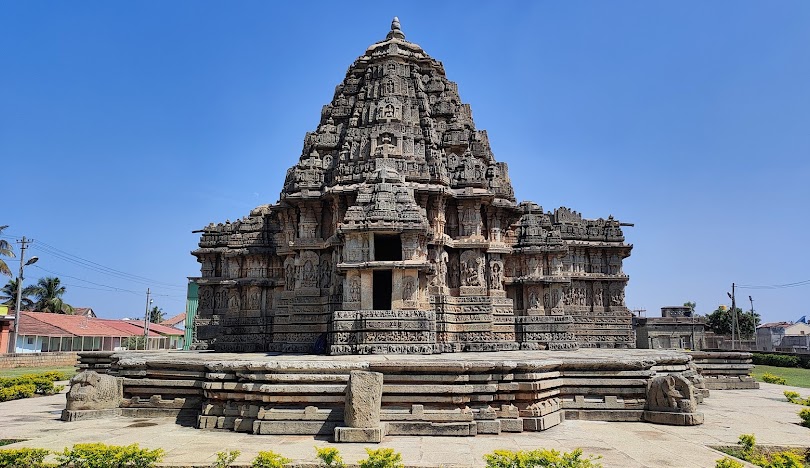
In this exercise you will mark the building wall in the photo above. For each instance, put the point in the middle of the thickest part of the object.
(11, 361)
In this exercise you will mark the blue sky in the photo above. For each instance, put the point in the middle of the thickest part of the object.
(126, 125)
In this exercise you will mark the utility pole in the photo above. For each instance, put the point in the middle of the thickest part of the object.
(754, 322)
(734, 323)
(146, 321)
(12, 345)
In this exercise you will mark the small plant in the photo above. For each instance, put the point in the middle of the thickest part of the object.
(539, 458)
(805, 415)
(268, 459)
(747, 442)
(382, 458)
(225, 458)
(22, 457)
(109, 456)
(727, 462)
(774, 379)
(792, 396)
(329, 456)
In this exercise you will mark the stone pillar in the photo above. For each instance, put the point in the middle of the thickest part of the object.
(362, 411)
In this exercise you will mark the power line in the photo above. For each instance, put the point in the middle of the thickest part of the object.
(91, 265)
(109, 288)
(776, 286)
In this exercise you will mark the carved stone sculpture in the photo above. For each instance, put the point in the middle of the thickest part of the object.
(90, 390)
(671, 400)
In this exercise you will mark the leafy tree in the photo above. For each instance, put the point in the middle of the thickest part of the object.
(691, 305)
(719, 322)
(8, 295)
(48, 294)
(5, 251)
(156, 315)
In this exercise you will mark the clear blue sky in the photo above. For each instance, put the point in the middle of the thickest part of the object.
(126, 125)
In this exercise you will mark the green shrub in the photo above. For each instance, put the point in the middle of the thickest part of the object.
(727, 462)
(776, 360)
(109, 456)
(805, 415)
(225, 458)
(269, 459)
(15, 392)
(539, 458)
(382, 458)
(22, 457)
(785, 460)
(774, 379)
(329, 456)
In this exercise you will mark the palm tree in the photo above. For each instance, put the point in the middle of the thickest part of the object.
(156, 315)
(8, 295)
(5, 251)
(48, 296)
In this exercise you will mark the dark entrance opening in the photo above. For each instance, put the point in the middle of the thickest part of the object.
(387, 248)
(382, 289)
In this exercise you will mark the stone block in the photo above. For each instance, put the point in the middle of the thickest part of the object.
(363, 399)
(431, 429)
(673, 419)
(359, 434)
(542, 423)
(488, 427)
(512, 425)
(206, 422)
(80, 415)
(294, 427)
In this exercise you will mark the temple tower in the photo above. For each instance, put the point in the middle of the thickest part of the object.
(398, 232)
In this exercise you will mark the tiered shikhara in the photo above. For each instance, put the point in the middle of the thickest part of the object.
(398, 232)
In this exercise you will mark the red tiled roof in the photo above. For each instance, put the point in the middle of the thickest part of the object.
(157, 328)
(47, 324)
(174, 320)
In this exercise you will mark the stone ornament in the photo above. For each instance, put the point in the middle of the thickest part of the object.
(90, 390)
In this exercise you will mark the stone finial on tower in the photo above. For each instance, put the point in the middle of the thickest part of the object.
(395, 30)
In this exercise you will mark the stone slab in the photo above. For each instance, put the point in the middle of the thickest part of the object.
(357, 434)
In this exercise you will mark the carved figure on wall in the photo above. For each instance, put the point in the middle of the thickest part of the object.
(255, 296)
(354, 290)
(326, 274)
(206, 298)
(289, 275)
(534, 302)
(455, 273)
(219, 299)
(233, 300)
(495, 276)
(407, 289)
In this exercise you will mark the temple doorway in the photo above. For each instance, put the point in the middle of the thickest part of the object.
(382, 285)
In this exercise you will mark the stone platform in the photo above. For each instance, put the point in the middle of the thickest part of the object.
(463, 394)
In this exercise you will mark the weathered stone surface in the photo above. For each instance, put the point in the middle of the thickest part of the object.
(363, 399)
(360, 435)
(90, 390)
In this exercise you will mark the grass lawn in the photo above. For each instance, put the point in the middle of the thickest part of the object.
(793, 375)
(70, 370)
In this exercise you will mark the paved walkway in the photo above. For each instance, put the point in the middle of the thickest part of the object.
(764, 412)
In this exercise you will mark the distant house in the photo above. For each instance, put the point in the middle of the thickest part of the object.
(44, 332)
(178, 321)
(783, 336)
(676, 328)
(84, 311)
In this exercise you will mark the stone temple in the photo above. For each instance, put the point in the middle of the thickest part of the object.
(397, 238)
(398, 232)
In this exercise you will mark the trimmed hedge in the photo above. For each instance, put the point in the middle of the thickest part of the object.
(25, 386)
(776, 360)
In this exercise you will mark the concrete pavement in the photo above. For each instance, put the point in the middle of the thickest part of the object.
(764, 412)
